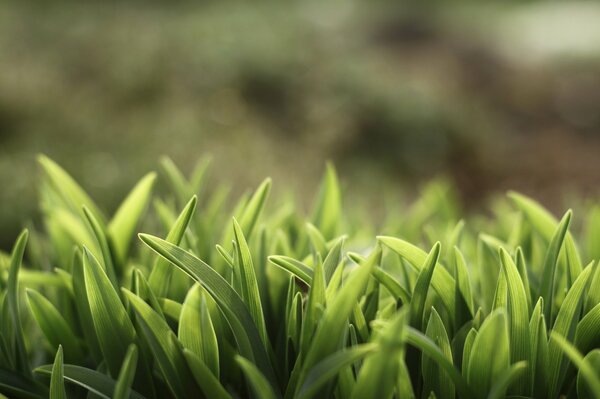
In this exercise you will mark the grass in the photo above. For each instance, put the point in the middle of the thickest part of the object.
(260, 300)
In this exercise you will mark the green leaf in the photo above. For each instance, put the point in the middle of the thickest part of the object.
(126, 374)
(160, 276)
(293, 266)
(54, 326)
(165, 348)
(584, 390)
(518, 319)
(92, 380)
(485, 365)
(377, 376)
(441, 281)
(314, 307)
(204, 377)
(113, 327)
(254, 208)
(329, 367)
(506, 379)
(565, 326)
(12, 298)
(587, 334)
(260, 385)
(333, 258)
(72, 194)
(419, 295)
(435, 379)
(330, 330)
(122, 226)
(428, 347)
(249, 284)
(550, 264)
(585, 368)
(328, 206)
(57, 385)
(241, 322)
(102, 241)
(196, 331)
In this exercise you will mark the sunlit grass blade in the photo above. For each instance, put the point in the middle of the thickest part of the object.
(246, 332)
(57, 384)
(328, 206)
(102, 241)
(196, 331)
(518, 319)
(254, 208)
(160, 276)
(441, 281)
(113, 327)
(565, 326)
(419, 295)
(122, 226)
(249, 283)
(297, 268)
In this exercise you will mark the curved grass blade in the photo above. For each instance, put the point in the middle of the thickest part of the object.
(328, 206)
(204, 377)
(565, 326)
(293, 266)
(92, 380)
(518, 319)
(329, 367)
(441, 281)
(419, 295)
(435, 379)
(57, 384)
(127, 374)
(160, 276)
(585, 368)
(249, 283)
(254, 208)
(12, 298)
(196, 331)
(260, 385)
(123, 224)
(241, 322)
(587, 335)
(428, 347)
(168, 354)
(55, 328)
(111, 322)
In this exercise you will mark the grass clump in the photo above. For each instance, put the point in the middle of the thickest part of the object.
(262, 301)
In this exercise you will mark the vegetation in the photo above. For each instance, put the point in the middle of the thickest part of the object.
(262, 301)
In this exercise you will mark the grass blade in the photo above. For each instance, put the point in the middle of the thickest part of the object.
(57, 385)
(127, 374)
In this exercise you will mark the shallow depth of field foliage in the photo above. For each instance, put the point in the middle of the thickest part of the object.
(253, 297)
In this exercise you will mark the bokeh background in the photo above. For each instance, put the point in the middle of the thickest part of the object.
(489, 95)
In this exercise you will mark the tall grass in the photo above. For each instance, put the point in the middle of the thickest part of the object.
(263, 301)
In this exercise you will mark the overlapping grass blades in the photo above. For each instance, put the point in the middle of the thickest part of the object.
(253, 298)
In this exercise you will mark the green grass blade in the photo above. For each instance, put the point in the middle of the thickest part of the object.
(585, 368)
(506, 379)
(587, 335)
(122, 226)
(102, 241)
(236, 312)
(160, 276)
(57, 384)
(92, 380)
(435, 379)
(204, 377)
(54, 326)
(328, 206)
(113, 327)
(260, 385)
(441, 281)
(419, 295)
(565, 326)
(12, 298)
(196, 331)
(254, 208)
(314, 307)
(485, 365)
(329, 367)
(126, 374)
(297, 268)
(518, 320)
(249, 283)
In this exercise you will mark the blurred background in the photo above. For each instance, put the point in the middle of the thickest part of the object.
(489, 95)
